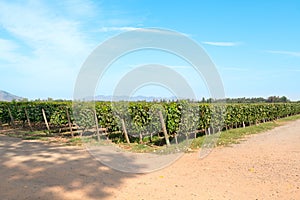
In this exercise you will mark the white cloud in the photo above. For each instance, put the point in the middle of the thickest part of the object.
(46, 48)
(7, 50)
(222, 44)
(124, 28)
(163, 65)
(151, 30)
(36, 26)
(79, 8)
(7, 45)
(288, 53)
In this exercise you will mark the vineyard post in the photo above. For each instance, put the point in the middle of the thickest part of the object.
(141, 138)
(164, 128)
(28, 120)
(11, 118)
(208, 130)
(45, 119)
(125, 131)
(69, 122)
(97, 128)
(176, 139)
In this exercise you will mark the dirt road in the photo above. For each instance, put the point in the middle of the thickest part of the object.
(265, 166)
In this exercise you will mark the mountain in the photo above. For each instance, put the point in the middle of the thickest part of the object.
(5, 96)
(134, 98)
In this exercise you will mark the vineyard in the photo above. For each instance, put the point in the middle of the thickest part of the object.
(141, 121)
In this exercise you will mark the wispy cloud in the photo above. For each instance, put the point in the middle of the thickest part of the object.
(288, 53)
(150, 30)
(42, 45)
(124, 28)
(222, 44)
(7, 50)
(235, 69)
(163, 65)
(34, 25)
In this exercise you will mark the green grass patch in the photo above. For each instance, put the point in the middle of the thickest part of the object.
(197, 142)
(290, 118)
(183, 146)
(156, 144)
(138, 148)
(76, 141)
(35, 137)
(40, 133)
(234, 136)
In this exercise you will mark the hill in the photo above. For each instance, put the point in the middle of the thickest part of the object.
(6, 96)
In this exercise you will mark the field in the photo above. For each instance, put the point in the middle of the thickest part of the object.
(264, 166)
(43, 156)
(141, 126)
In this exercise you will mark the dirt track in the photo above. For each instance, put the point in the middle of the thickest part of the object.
(265, 166)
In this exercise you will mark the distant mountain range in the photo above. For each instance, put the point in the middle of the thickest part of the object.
(134, 98)
(6, 96)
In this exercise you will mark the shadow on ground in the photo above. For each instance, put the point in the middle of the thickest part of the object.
(37, 170)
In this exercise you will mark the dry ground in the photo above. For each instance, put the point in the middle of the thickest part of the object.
(265, 166)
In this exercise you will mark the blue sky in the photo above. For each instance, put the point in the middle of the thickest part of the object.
(254, 44)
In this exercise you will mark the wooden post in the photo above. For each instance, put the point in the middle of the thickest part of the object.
(97, 128)
(176, 139)
(11, 118)
(45, 119)
(151, 136)
(28, 120)
(69, 122)
(141, 138)
(125, 131)
(164, 128)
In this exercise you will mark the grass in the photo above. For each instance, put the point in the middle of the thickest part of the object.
(161, 150)
(235, 136)
(138, 148)
(25, 134)
(76, 141)
(226, 138)
(290, 118)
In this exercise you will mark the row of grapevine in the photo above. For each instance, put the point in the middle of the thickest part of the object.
(238, 114)
(55, 112)
(142, 117)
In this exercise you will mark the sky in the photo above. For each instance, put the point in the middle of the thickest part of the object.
(253, 44)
